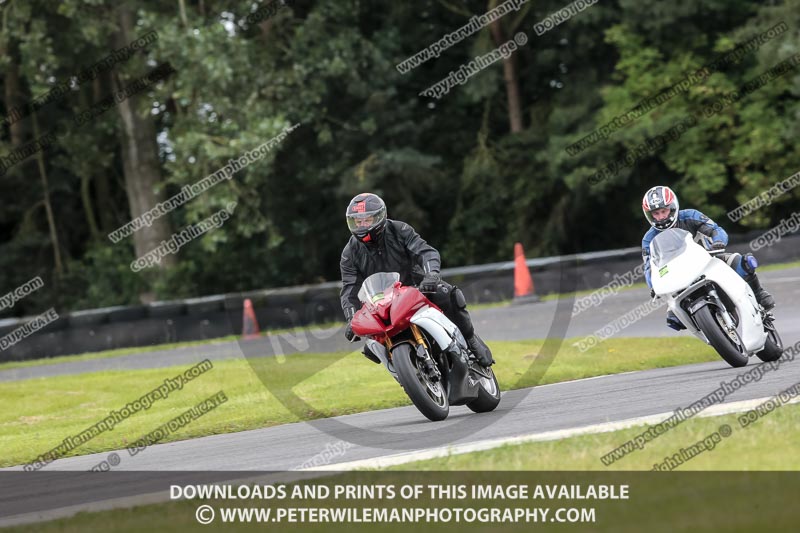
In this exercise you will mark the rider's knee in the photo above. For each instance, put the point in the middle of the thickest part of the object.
(737, 263)
(457, 298)
(749, 263)
(442, 296)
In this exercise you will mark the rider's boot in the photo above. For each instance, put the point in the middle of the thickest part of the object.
(673, 321)
(482, 352)
(762, 296)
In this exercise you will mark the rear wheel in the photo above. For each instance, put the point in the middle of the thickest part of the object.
(428, 396)
(488, 392)
(725, 342)
(773, 348)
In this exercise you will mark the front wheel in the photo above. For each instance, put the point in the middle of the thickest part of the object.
(428, 396)
(726, 343)
(773, 348)
(488, 392)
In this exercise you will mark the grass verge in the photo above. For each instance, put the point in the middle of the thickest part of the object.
(779, 266)
(761, 445)
(706, 501)
(39, 413)
(154, 348)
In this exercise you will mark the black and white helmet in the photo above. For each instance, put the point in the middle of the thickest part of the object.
(657, 198)
(366, 217)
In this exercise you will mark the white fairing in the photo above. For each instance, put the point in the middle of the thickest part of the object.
(438, 326)
(680, 273)
(683, 270)
(383, 354)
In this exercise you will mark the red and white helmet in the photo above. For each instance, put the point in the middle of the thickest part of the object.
(659, 197)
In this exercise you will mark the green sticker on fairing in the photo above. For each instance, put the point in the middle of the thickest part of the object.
(662, 271)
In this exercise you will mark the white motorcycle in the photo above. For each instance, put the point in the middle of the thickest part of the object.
(711, 299)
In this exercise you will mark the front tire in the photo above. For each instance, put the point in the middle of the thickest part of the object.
(430, 398)
(773, 348)
(714, 330)
(488, 393)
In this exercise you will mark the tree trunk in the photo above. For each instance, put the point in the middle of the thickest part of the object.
(88, 207)
(182, 10)
(141, 167)
(512, 92)
(510, 75)
(13, 96)
(102, 190)
(48, 208)
(103, 198)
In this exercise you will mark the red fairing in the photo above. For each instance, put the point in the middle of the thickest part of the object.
(365, 324)
(397, 307)
(407, 301)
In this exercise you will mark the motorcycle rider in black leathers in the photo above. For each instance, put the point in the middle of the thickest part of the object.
(379, 244)
(660, 206)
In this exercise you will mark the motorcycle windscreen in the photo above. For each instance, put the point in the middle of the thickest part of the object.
(668, 245)
(373, 288)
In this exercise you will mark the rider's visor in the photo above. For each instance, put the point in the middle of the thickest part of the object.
(365, 221)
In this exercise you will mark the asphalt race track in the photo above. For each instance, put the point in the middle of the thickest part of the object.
(389, 432)
(517, 322)
(545, 408)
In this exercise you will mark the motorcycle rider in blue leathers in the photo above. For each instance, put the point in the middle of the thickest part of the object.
(660, 206)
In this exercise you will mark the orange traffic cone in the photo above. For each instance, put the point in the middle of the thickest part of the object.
(523, 282)
(249, 323)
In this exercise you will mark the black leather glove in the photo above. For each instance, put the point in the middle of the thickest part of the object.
(430, 282)
(348, 332)
(350, 335)
(718, 245)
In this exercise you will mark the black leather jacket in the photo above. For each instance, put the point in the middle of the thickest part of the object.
(401, 250)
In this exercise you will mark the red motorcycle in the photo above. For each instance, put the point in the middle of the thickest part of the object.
(421, 348)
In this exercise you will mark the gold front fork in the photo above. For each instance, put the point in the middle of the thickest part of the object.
(418, 336)
(388, 344)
